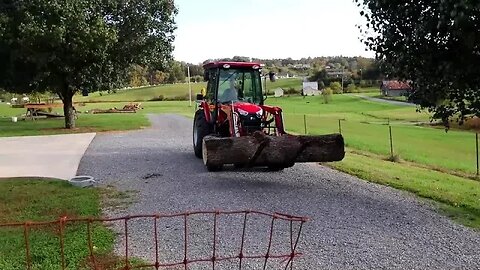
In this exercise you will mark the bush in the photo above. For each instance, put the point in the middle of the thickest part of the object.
(336, 88)
(159, 98)
(327, 95)
(291, 91)
(177, 98)
(351, 88)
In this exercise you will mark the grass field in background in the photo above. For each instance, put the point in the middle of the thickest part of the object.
(24, 200)
(365, 127)
(179, 90)
(89, 122)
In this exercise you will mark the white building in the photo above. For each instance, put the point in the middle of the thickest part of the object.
(278, 92)
(310, 89)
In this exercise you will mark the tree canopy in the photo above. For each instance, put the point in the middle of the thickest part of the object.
(71, 45)
(435, 44)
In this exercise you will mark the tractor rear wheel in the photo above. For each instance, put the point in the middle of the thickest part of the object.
(200, 129)
(275, 168)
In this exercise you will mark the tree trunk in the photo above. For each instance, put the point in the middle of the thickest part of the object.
(263, 150)
(68, 111)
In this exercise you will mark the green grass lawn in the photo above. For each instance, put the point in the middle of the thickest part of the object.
(24, 200)
(171, 91)
(89, 122)
(458, 197)
(365, 128)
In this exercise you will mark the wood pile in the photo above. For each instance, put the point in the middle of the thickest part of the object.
(129, 108)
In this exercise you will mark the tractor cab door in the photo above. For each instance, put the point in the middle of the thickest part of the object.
(211, 93)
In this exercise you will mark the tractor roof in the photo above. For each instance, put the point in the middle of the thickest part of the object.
(231, 64)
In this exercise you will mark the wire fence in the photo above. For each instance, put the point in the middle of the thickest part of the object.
(294, 225)
(457, 151)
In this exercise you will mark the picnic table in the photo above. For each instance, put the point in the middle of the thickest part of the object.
(37, 109)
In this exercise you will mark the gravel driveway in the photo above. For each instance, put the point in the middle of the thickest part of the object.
(353, 224)
(381, 100)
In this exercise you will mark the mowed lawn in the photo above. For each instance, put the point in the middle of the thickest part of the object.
(89, 122)
(458, 198)
(364, 126)
(23, 200)
(178, 91)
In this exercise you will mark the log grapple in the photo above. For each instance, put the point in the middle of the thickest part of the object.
(232, 124)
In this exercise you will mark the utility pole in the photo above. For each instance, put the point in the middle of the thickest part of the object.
(189, 86)
(343, 70)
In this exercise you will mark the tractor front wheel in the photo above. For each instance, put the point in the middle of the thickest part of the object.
(200, 129)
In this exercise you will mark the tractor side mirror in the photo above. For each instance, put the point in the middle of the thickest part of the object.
(206, 75)
(272, 76)
(199, 97)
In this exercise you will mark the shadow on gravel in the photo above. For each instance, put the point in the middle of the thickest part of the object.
(242, 183)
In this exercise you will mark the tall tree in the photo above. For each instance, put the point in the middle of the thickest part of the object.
(433, 43)
(71, 45)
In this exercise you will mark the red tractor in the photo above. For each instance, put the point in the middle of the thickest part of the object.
(233, 125)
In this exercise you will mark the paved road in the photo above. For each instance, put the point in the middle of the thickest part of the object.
(354, 224)
(55, 156)
(393, 102)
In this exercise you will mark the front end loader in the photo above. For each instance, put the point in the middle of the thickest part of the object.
(233, 125)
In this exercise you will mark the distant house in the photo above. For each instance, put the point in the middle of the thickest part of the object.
(278, 92)
(395, 88)
(310, 89)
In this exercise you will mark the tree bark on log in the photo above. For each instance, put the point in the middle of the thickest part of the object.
(279, 151)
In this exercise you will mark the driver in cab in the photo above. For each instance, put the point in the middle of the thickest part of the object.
(229, 94)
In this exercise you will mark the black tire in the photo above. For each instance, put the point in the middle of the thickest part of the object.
(238, 166)
(275, 168)
(200, 129)
(212, 168)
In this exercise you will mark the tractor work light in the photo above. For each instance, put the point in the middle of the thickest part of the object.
(259, 113)
(226, 66)
(242, 112)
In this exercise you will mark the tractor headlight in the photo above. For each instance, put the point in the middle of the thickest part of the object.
(242, 112)
(259, 113)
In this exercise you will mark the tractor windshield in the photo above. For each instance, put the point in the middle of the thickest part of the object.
(239, 85)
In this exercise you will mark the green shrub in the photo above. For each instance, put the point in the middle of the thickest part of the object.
(327, 95)
(159, 98)
(177, 98)
(351, 88)
(336, 88)
(291, 91)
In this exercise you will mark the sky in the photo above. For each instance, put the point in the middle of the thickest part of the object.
(209, 29)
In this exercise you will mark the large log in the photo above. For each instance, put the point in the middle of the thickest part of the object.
(276, 151)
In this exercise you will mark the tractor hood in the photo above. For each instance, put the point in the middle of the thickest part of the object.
(244, 108)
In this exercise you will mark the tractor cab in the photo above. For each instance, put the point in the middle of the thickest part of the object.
(231, 82)
(234, 92)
